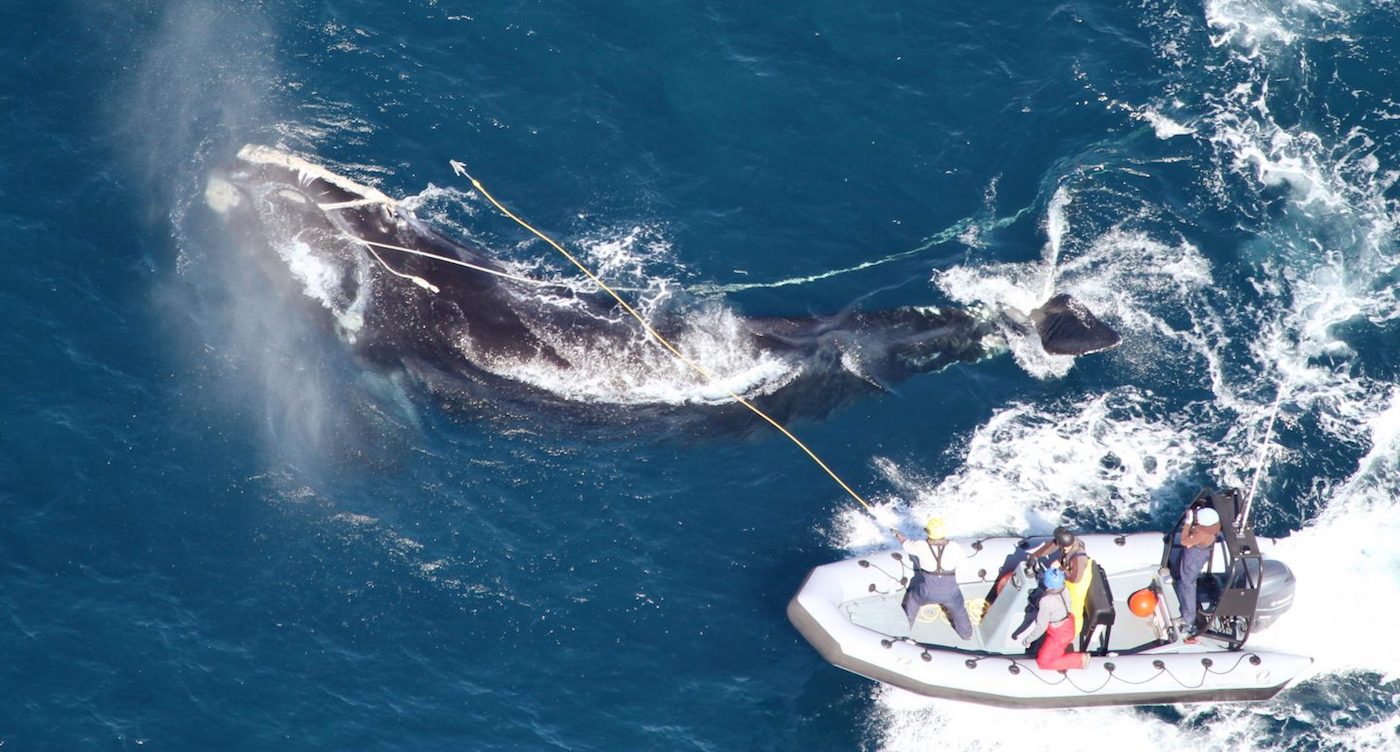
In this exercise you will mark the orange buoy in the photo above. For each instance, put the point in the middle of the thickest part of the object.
(1143, 602)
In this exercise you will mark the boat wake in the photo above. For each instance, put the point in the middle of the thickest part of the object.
(1316, 256)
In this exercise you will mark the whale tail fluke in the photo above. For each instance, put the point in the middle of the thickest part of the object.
(1066, 327)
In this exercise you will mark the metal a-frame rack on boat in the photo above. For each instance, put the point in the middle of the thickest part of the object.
(850, 612)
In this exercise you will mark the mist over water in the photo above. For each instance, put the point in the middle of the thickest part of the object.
(226, 531)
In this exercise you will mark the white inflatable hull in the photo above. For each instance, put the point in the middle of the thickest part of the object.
(849, 611)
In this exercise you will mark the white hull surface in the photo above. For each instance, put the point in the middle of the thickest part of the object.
(850, 612)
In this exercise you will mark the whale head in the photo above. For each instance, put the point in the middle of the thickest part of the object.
(303, 223)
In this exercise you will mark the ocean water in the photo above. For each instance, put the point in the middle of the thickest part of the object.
(223, 531)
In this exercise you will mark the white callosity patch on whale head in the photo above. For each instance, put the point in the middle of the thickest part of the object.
(328, 265)
(308, 172)
(296, 197)
(220, 195)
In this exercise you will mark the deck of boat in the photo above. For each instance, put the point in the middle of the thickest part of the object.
(994, 623)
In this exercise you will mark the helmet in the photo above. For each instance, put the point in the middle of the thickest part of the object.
(1063, 537)
(1207, 516)
(936, 528)
(1053, 579)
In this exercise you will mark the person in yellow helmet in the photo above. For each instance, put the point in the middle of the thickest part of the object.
(935, 579)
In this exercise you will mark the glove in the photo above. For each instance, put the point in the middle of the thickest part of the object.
(1026, 643)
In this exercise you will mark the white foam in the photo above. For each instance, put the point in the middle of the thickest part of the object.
(1163, 126)
(1346, 562)
(1245, 23)
(909, 722)
(638, 370)
(1029, 465)
(1256, 25)
(1127, 278)
(1327, 259)
(628, 256)
(439, 205)
(1055, 226)
(624, 365)
(317, 277)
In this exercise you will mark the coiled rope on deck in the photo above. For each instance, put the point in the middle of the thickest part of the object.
(662, 340)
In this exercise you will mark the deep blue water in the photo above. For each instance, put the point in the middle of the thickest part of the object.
(224, 532)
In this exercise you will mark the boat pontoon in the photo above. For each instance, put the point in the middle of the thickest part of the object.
(850, 611)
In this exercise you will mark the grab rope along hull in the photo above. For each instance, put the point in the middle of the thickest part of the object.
(850, 612)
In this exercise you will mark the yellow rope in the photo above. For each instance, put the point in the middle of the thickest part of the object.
(667, 344)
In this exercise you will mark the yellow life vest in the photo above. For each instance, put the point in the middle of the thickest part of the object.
(1079, 592)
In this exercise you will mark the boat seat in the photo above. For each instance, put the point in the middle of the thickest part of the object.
(1098, 611)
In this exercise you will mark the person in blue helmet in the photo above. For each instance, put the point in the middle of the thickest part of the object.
(935, 579)
(1056, 621)
(1198, 533)
(1071, 557)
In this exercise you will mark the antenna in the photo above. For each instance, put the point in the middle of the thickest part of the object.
(1262, 462)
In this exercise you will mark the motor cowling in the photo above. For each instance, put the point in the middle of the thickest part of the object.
(1276, 587)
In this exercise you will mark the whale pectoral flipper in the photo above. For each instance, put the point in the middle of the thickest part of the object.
(1067, 327)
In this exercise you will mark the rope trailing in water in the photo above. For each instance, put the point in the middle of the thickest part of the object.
(1261, 463)
(665, 342)
(953, 232)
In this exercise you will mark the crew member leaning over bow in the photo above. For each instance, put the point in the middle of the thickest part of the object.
(935, 580)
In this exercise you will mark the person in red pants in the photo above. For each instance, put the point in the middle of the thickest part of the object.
(1056, 621)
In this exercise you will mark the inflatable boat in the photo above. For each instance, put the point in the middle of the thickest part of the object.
(851, 612)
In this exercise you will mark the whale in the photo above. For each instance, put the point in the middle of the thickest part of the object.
(407, 296)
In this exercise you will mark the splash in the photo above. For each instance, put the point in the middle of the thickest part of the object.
(1162, 125)
(1055, 227)
(1029, 468)
(639, 372)
(1316, 195)
(1126, 276)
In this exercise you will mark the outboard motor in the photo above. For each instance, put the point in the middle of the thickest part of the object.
(1275, 593)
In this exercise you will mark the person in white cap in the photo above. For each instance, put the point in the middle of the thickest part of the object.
(935, 577)
(1198, 533)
